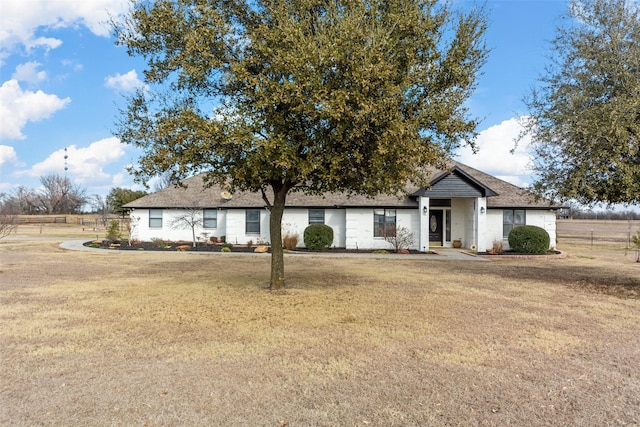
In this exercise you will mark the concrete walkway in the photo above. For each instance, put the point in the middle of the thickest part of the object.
(440, 254)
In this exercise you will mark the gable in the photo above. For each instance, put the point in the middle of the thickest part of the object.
(456, 183)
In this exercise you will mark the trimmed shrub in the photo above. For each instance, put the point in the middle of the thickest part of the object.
(318, 237)
(529, 239)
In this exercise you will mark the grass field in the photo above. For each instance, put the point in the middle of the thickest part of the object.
(168, 339)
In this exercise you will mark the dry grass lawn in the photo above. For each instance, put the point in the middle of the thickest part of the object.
(177, 339)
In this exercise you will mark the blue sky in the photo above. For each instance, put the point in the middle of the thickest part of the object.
(62, 79)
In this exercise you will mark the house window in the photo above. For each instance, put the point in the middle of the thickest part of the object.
(210, 218)
(252, 222)
(384, 222)
(316, 216)
(512, 218)
(155, 218)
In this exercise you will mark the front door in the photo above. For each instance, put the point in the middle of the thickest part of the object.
(435, 228)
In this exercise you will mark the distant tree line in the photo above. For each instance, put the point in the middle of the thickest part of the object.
(57, 195)
(578, 212)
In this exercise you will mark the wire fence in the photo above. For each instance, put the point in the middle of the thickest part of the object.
(609, 233)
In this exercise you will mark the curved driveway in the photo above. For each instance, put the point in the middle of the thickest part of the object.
(440, 254)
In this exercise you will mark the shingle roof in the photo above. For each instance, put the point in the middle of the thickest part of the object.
(194, 195)
(508, 195)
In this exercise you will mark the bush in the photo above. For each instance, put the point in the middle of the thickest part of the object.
(400, 238)
(113, 230)
(290, 241)
(318, 237)
(529, 239)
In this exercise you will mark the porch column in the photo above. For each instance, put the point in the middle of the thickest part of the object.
(423, 239)
(481, 224)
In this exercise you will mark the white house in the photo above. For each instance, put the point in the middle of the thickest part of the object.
(461, 203)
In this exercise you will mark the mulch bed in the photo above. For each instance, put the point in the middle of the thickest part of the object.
(206, 247)
(510, 254)
(167, 247)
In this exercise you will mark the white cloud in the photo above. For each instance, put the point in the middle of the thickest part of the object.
(124, 82)
(21, 20)
(7, 155)
(118, 179)
(86, 164)
(494, 153)
(17, 107)
(28, 72)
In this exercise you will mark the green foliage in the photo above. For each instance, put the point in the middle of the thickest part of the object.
(227, 245)
(225, 249)
(113, 230)
(529, 239)
(584, 118)
(381, 252)
(119, 197)
(351, 95)
(318, 237)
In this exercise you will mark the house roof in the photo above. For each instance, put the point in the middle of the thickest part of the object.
(507, 194)
(499, 193)
(454, 183)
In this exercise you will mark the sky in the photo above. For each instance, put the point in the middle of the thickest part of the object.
(63, 80)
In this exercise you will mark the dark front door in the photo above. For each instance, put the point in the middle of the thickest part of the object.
(435, 227)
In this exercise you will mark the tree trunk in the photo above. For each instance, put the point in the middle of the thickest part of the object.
(275, 229)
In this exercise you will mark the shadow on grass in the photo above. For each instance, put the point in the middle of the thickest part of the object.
(608, 281)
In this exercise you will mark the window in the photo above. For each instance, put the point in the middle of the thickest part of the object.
(316, 216)
(252, 222)
(384, 222)
(155, 218)
(511, 218)
(210, 218)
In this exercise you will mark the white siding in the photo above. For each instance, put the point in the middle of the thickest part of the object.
(462, 221)
(336, 219)
(143, 232)
(494, 228)
(297, 220)
(352, 227)
(546, 220)
(236, 233)
(294, 221)
(540, 218)
(359, 228)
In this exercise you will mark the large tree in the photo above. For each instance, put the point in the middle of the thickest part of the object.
(118, 197)
(315, 96)
(584, 117)
(57, 195)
